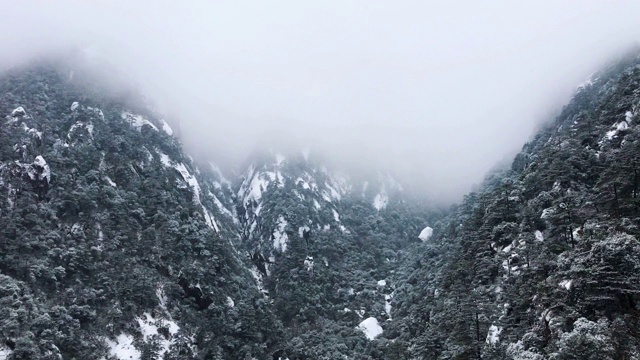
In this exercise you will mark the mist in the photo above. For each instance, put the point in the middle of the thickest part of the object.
(436, 92)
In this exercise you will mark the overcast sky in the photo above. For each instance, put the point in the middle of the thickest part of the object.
(443, 90)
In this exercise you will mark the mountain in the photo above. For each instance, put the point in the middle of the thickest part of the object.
(115, 244)
(544, 261)
(324, 244)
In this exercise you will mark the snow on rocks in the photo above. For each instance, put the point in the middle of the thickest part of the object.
(493, 336)
(75, 105)
(230, 302)
(5, 353)
(538, 235)
(382, 282)
(426, 234)
(16, 115)
(137, 121)
(192, 182)
(619, 126)
(32, 131)
(370, 327)
(565, 284)
(18, 112)
(39, 169)
(308, 263)
(166, 128)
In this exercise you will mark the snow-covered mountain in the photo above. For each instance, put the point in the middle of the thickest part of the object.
(115, 244)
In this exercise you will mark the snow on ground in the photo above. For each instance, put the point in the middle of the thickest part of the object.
(280, 237)
(380, 201)
(149, 329)
(166, 128)
(538, 235)
(123, 348)
(426, 233)
(370, 327)
(253, 186)
(493, 336)
(137, 121)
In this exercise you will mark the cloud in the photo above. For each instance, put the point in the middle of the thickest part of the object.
(437, 91)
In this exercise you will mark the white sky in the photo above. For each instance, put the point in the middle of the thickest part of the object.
(436, 91)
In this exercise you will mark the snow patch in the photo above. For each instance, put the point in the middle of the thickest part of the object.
(620, 126)
(382, 282)
(149, 329)
(230, 302)
(110, 182)
(123, 348)
(5, 353)
(370, 327)
(380, 201)
(74, 106)
(566, 284)
(493, 336)
(538, 235)
(426, 234)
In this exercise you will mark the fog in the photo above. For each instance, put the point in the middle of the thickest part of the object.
(437, 92)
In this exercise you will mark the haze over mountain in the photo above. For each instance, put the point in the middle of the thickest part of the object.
(266, 181)
(438, 93)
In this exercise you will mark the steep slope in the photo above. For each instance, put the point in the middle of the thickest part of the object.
(113, 244)
(544, 261)
(323, 244)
